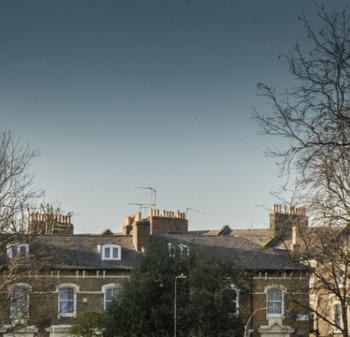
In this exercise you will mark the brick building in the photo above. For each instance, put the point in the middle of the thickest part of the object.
(81, 272)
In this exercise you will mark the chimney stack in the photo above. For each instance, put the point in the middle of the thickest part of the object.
(50, 223)
(282, 219)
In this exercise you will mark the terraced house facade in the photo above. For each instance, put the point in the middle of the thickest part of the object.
(82, 272)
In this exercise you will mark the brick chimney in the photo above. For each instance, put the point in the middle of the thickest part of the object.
(283, 218)
(140, 234)
(168, 222)
(50, 223)
(295, 246)
(127, 227)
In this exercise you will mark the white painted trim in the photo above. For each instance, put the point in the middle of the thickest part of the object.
(279, 278)
(27, 331)
(68, 285)
(81, 292)
(59, 328)
(21, 284)
(74, 276)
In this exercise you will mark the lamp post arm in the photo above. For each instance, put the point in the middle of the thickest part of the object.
(250, 317)
(175, 308)
(182, 276)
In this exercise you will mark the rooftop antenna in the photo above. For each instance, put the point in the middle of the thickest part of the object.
(193, 210)
(141, 206)
(153, 191)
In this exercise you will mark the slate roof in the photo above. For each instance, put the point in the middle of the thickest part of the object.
(80, 251)
(242, 252)
(260, 236)
(244, 248)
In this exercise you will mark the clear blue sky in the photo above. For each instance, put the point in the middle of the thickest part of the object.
(118, 94)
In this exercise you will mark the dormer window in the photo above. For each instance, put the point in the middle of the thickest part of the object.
(111, 252)
(184, 249)
(17, 250)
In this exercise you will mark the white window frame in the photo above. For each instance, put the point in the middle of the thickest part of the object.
(111, 247)
(283, 290)
(104, 290)
(28, 289)
(76, 291)
(233, 287)
(341, 325)
(17, 246)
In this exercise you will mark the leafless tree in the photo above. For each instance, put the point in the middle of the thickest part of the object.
(17, 199)
(314, 118)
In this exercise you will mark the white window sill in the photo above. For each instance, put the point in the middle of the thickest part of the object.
(272, 316)
(110, 259)
(72, 315)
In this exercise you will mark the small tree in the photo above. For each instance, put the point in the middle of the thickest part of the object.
(314, 118)
(89, 324)
(18, 200)
(145, 304)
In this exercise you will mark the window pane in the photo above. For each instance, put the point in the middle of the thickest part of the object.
(14, 251)
(107, 252)
(63, 307)
(67, 294)
(22, 250)
(275, 295)
(115, 253)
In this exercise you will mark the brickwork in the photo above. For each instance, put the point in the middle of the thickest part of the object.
(283, 218)
(140, 234)
(50, 223)
(90, 297)
(44, 296)
(168, 222)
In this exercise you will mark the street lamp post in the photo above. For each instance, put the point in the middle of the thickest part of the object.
(249, 319)
(182, 276)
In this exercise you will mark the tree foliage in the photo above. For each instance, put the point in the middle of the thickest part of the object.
(145, 304)
(89, 324)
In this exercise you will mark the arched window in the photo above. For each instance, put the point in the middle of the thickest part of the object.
(111, 252)
(67, 300)
(109, 294)
(230, 297)
(19, 307)
(275, 301)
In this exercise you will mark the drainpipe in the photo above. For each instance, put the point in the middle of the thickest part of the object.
(251, 299)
